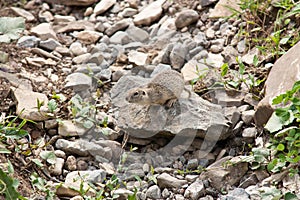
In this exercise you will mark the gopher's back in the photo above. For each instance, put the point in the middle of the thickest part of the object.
(171, 80)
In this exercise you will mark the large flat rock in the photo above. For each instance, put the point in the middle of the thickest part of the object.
(192, 115)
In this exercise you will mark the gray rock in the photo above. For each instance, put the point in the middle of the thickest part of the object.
(221, 176)
(195, 190)
(129, 12)
(249, 132)
(200, 39)
(241, 46)
(137, 34)
(88, 68)
(77, 49)
(153, 192)
(117, 75)
(23, 13)
(192, 164)
(84, 148)
(88, 36)
(191, 178)
(96, 58)
(104, 75)
(103, 6)
(49, 44)
(82, 165)
(194, 114)
(216, 48)
(44, 31)
(123, 193)
(167, 26)
(232, 114)
(178, 197)
(3, 57)
(119, 26)
(71, 163)
(247, 116)
(79, 81)
(165, 180)
(138, 58)
(119, 37)
(149, 14)
(68, 128)
(28, 41)
(132, 45)
(236, 194)
(27, 104)
(248, 58)
(238, 127)
(222, 8)
(178, 55)
(185, 18)
(210, 33)
(226, 99)
(50, 124)
(230, 54)
(165, 193)
(57, 168)
(45, 16)
(163, 56)
(81, 58)
(159, 68)
(204, 3)
(286, 82)
(81, 179)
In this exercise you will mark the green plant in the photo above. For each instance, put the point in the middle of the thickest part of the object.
(83, 112)
(233, 79)
(11, 130)
(9, 185)
(40, 184)
(271, 26)
(201, 73)
(284, 124)
(10, 27)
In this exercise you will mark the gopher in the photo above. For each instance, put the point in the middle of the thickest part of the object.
(164, 89)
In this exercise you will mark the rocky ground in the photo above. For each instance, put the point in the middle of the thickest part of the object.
(79, 58)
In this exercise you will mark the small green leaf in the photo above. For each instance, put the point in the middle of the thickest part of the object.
(255, 61)
(284, 40)
(280, 147)
(52, 105)
(290, 196)
(10, 167)
(234, 84)
(49, 156)
(88, 124)
(37, 162)
(224, 69)
(10, 28)
(278, 99)
(7, 187)
(274, 123)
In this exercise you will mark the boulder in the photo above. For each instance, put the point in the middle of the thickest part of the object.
(283, 75)
(188, 116)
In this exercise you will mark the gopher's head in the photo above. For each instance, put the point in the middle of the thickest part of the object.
(138, 95)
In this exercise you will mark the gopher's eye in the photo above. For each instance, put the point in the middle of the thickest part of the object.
(135, 94)
(144, 93)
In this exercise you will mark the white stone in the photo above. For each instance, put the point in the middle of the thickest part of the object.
(137, 58)
(149, 14)
(103, 6)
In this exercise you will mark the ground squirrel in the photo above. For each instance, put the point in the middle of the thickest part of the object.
(164, 89)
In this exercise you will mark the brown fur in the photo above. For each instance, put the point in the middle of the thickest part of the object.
(164, 89)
